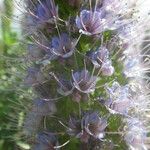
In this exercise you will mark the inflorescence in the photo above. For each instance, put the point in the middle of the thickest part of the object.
(76, 70)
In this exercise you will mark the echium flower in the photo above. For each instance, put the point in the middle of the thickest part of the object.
(63, 46)
(102, 17)
(57, 70)
(84, 84)
(39, 109)
(35, 52)
(43, 107)
(120, 100)
(46, 11)
(81, 84)
(94, 125)
(135, 135)
(41, 15)
(45, 141)
(65, 87)
(34, 76)
(74, 127)
(90, 23)
(100, 59)
(83, 81)
(116, 13)
(91, 125)
(134, 69)
(131, 66)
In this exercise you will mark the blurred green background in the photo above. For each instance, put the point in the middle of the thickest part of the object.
(10, 81)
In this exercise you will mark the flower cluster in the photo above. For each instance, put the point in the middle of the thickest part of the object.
(72, 64)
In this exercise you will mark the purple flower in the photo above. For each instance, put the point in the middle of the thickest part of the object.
(35, 52)
(43, 107)
(45, 141)
(91, 23)
(74, 127)
(32, 123)
(135, 135)
(65, 87)
(91, 125)
(39, 109)
(84, 82)
(131, 66)
(42, 16)
(118, 106)
(127, 32)
(100, 59)
(94, 125)
(112, 11)
(62, 46)
(107, 68)
(34, 77)
(120, 100)
(46, 11)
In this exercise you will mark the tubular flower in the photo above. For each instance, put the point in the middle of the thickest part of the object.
(102, 17)
(100, 60)
(43, 107)
(34, 77)
(84, 82)
(120, 100)
(62, 46)
(40, 108)
(65, 87)
(41, 15)
(75, 129)
(94, 125)
(74, 125)
(45, 141)
(90, 23)
(46, 11)
(135, 135)
(91, 125)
